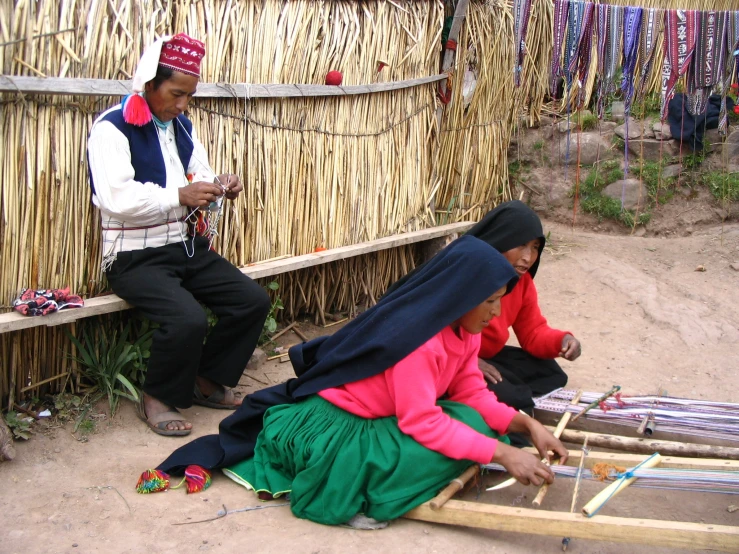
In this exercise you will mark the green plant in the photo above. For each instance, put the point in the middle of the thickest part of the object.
(694, 159)
(605, 207)
(143, 331)
(588, 122)
(538, 145)
(107, 358)
(20, 426)
(658, 188)
(270, 324)
(724, 186)
(647, 106)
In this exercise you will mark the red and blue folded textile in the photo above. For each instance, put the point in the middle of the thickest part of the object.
(45, 301)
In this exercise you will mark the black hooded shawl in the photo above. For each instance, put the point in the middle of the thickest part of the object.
(456, 280)
(508, 226)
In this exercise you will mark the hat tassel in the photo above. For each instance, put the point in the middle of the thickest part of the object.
(136, 110)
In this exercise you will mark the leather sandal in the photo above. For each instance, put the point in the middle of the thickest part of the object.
(158, 423)
(215, 400)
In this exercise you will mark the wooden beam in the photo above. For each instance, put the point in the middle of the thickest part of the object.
(14, 321)
(109, 87)
(632, 460)
(673, 534)
(649, 446)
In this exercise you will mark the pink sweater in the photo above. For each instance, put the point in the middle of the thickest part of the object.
(410, 389)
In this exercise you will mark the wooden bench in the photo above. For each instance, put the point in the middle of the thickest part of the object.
(14, 321)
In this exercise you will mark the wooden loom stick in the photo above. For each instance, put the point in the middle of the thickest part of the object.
(647, 446)
(454, 487)
(578, 480)
(616, 487)
(593, 404)
(675, 534)
(557, 433)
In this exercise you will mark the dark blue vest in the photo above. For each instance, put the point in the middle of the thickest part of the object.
(146, 154)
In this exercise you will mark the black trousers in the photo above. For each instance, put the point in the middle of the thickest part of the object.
(524, 377)
(166, 285)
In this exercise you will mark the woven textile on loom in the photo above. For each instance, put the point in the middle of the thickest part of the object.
(700, 418)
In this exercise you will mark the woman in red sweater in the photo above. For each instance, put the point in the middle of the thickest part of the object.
(516, 375)
(386, 443)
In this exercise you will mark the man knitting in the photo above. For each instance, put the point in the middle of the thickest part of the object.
(148, 173)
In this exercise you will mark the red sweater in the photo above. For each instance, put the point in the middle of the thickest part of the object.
(520, 310)
(410, 389)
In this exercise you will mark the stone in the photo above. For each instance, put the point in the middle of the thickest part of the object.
(671, 171)
(647, 130)
(545, 121)
(721, 213)
(661, 131)
(640, 231)
(735, 266)
(653, 150)
(730, 151)
(607, 126)
(257, 360)
(634, 193)
(574, 121)
(592, 149)
(711, 139)
(618, 110)
(635, 129)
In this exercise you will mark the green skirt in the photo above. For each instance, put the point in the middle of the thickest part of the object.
(335, 464)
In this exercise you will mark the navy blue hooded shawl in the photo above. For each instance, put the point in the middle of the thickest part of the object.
(456, 280)
(509, 225)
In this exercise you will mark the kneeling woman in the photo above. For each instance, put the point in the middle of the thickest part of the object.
(382, 444)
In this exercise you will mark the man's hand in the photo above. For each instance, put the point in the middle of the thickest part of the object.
(571, 348)
(489, 372)
(231, 184)
(523, 466)
(199, 194)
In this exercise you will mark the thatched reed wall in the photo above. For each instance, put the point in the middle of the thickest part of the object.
(318, 172)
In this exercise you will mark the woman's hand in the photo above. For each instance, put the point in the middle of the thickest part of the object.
(542, 439)
(525, 467)
(489, 372)
(571, 348)
(546, 443)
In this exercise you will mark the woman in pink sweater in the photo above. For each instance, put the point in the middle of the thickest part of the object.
(387, 442)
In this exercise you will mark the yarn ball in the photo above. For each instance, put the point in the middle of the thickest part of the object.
(334, 78)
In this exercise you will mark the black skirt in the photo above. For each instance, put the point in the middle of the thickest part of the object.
(524, 377)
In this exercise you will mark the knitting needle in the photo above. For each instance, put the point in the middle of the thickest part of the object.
(593, 404)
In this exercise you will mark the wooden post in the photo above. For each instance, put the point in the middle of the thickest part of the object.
(670, 534)
(448, 61)
(648, 446)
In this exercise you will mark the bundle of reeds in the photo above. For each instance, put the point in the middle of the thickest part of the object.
(473, 161)
(318, 172)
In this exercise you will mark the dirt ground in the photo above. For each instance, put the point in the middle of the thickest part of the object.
(646, 318)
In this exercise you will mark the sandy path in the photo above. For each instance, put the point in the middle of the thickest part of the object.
(645, 317)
